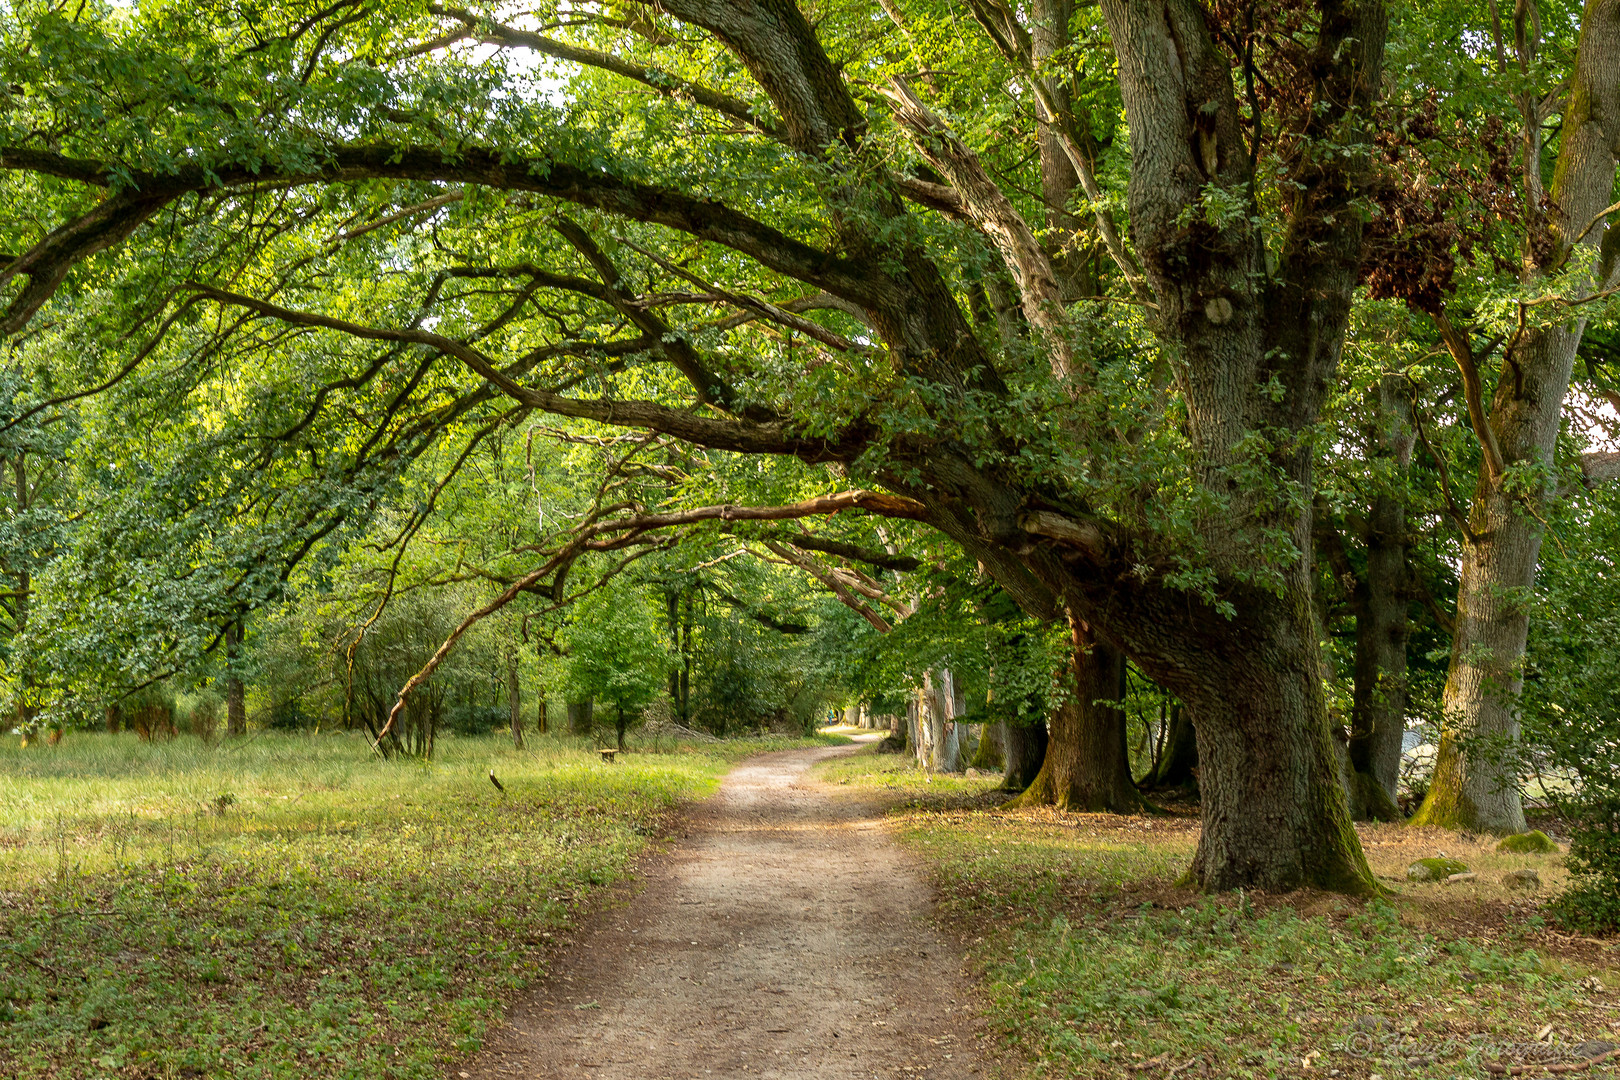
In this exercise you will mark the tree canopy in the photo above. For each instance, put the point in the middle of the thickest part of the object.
(1169, 326)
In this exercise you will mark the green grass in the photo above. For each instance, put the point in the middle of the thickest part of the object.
(1094, 963)
(290, 906)
(868, 769)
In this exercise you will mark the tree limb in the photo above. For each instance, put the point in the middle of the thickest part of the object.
(1014, 48)
(1598, 467)
(984, 203)
(1462, 352)
(493, 33)
(701, 217)
(743, 436)
(855, 553)
(586, 537)
(838, 587)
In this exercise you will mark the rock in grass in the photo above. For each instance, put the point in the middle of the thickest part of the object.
(1534, 842)
(1522, 879)
(1435, 869)
(1456, 879)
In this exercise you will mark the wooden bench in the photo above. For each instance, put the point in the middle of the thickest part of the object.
(607, 753)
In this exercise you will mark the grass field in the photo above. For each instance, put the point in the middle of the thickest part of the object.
(290, 906)
(1094, 963)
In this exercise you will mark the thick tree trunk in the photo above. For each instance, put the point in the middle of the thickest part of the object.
(235, 692)
(1273, 808)
(1177, 769)
(1024, 746)
(1378, 704)
(541, 726)
(1274, 812)
(1087, 764)
(1474, 784)
(514, 700)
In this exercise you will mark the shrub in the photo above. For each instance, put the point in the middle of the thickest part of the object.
(476, 719)
(203, 717)
(1592, 903)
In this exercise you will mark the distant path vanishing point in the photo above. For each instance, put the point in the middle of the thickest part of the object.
(786, 935)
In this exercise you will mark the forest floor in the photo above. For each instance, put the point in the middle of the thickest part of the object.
(782, 934)
(1096, 963)
(289, 906)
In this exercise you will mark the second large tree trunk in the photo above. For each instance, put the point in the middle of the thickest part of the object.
(1473, 783)
(1087, 765)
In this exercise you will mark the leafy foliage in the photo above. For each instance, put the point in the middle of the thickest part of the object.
(1572, 716)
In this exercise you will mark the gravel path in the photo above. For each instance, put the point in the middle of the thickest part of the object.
(786, 935)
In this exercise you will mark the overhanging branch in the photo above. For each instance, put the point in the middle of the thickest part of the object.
(739, 435)
(698, 216)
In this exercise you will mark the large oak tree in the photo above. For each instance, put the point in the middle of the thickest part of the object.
(758, 228)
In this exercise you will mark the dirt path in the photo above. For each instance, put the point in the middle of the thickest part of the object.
(785, 936)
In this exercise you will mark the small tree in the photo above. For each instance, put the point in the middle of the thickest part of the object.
(616, 654)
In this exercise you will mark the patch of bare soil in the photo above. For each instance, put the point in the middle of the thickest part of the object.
(786, 935)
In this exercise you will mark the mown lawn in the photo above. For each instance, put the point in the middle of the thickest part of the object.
(290, 906)
(1095, 963)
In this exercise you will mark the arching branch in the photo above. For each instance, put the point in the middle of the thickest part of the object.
(743, 436)
(493, 33)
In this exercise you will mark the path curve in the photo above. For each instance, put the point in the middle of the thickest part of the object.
(785, 936)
